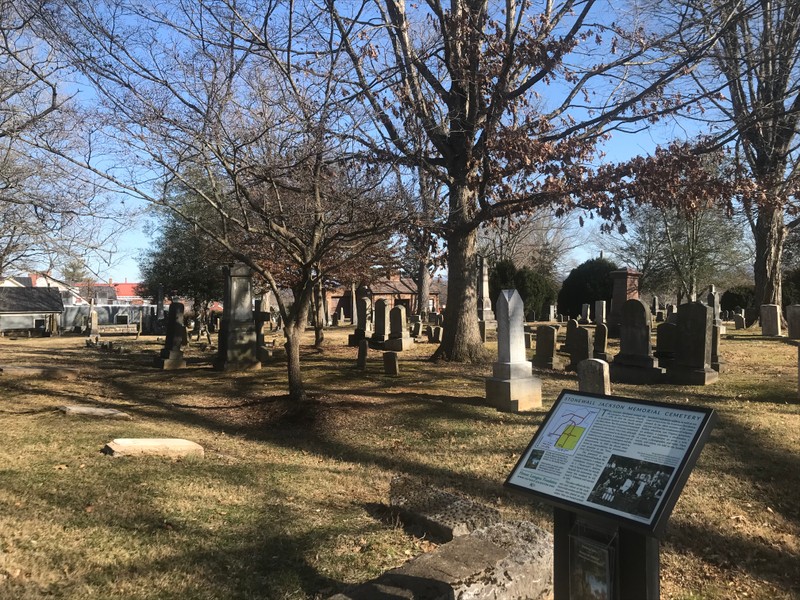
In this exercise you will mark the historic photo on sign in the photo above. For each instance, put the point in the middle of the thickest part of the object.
(631, 486)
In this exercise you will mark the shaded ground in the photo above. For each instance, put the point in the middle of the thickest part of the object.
(291, 504)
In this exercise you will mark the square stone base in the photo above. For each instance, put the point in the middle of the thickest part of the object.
(636, 375)
(398, 344)
(679, 376)
(514, 395)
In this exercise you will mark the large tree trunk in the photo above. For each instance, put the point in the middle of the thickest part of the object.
(294, 327)
(769, 235)
(423, 288)
(461, 341)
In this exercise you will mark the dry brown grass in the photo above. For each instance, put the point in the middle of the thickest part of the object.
(293, 505)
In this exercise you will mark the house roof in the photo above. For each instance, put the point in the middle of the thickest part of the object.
(126, 289)
(30, 300)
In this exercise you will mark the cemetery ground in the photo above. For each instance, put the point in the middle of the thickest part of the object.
(294, 505)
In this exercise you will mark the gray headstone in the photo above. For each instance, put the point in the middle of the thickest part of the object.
(593, 376)
(691, 365)
(512, 388)
(363, 348)
(738, 321)
(546, 356)
(793, 321)
(600, 311)
(771, 320)
(635, 362)
(582, 347)
(600, 349)
(666, 342)
(391, 363)
(381, 323)
(237, 347)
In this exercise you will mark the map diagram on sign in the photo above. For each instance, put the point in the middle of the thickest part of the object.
(566, 428)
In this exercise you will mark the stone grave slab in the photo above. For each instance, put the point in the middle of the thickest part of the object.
(166, 447)
(92, 411)
(505, 560)
(440, 513)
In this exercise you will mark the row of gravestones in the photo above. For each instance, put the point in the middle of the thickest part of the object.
(687, 345)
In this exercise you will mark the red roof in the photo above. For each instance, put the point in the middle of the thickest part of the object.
(126, 289)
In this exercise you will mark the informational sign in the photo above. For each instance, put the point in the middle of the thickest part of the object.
(622, 458)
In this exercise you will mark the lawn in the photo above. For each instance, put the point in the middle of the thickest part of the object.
(292, 504)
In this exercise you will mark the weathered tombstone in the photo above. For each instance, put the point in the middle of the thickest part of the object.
(666, 341)
(692, 364)
(713, 300)
(625, 286)
(363, 348)
(546, 356)
(585, 308)
(399, 339)
(171, 355)
(92, 411)
(512, 387)
(582, 347)
(672, 314)
(551, 313)
(380, 332)
(655, 306)
(600, 350)
(391, 363)
(717, 362)
(593, 376)
(363, 321)
(635, 362)
(793, 321)
(569, 336)
(738, 321)
(436, 334)
(416, 329)
(237, 347)
(771, 320)
(94, 326)
(600, 311)
(484, 301)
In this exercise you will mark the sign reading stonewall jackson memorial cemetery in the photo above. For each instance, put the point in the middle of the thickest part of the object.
(613, 457)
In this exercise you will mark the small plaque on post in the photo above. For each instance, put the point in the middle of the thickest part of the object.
(615, 458)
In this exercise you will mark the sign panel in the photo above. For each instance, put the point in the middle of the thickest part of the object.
(622, 458)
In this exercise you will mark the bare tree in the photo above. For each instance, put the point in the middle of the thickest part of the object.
(208, 97)
(751, 84)
(513, 100)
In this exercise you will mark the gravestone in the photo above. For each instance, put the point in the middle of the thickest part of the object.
(380, 324)
(416, 329)
(585, 308)
(692, 363)
(512, 387)
(600, 311)
(593, 376)
(399, 339)
(94, 323)
(600, 350)
(738, 321)
(655, 306)
(771, 320)
(666, 341)
(363, 320)
(166, 447)
(363, 348)
(551, 313)
(625, 286)
(582, 347)
(391, 363)
(672, 314)
(237, 347)
(546, 356)
(484, 301)
(171, 355)
(91, 411)
(569, 336)
(793, 321)
(717, 362)
(436, 334)
(635, 362)
(713, 300)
